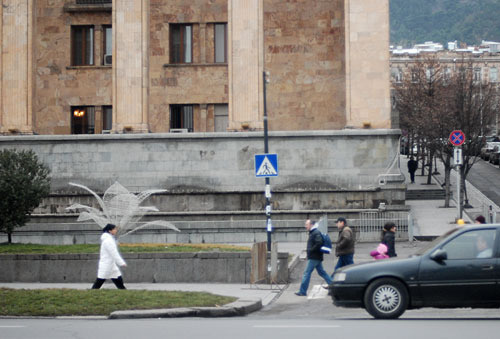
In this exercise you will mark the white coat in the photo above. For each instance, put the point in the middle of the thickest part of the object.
(109, 259)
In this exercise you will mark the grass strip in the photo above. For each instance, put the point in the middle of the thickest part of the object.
(124, 248)
(71, 302)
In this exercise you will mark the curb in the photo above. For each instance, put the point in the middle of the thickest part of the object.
(236, 308)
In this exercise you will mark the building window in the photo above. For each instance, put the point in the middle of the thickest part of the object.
(414, 75)
(221, 117)
(493, 74)
(108, 45)
(220, 35)
(477, 74)
(429, 75)
(181, 118)
(181, 44)
(82, 120)
(397, 75)
(446, 75)
(82, 45)
(107, 118)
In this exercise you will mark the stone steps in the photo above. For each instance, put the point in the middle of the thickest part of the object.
(425, 194)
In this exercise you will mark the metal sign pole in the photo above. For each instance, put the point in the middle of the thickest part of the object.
(269, 225)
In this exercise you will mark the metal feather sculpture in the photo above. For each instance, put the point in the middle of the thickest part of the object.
(121, 208)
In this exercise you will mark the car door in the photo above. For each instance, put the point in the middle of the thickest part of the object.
(467, 276)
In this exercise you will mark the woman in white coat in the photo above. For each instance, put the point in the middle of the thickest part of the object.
(109, 259)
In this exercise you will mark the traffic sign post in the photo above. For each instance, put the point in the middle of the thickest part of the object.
(457, 138)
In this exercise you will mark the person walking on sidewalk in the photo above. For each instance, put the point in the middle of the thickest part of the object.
(389, 238)
(344, 248)
(412, 168)
(109, 259)
(314, 258)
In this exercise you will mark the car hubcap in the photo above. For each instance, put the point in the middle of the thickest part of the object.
(386, 298)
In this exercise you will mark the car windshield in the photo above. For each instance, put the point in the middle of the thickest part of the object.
(434, 242)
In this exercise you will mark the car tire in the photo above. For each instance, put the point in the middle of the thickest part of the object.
(386, 298)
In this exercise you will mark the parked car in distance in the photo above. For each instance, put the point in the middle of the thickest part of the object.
(495, 155)
(487, 149)
(459, 269)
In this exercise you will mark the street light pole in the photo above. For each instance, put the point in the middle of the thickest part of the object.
(269, 226)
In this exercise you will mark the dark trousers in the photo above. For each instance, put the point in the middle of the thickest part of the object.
(412, 176)
(118, 283)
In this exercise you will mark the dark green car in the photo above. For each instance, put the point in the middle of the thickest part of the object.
(458, 269)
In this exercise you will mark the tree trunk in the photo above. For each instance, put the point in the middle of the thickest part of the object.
(9, 237)
(429, 174)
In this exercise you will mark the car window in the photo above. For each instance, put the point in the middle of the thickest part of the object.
(434, 242)
(470, 245)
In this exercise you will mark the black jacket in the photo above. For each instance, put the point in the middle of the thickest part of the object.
(390, 242)
(314, 244)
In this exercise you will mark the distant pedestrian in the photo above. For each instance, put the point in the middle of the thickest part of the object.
(389, 238)
(380, 252)
(314, 258)
(344, 249)
(412, 168)
(480, 220)
(109, 259)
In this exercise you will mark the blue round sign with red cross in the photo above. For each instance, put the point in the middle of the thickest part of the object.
(457, 138)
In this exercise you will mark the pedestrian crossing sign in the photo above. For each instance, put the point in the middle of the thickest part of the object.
(266, 165)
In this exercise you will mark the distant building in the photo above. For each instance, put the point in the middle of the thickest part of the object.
(486, 65)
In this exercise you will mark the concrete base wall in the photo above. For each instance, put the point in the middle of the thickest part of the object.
(215, 162)
(141, 267)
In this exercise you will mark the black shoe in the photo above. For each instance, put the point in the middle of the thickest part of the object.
(300, 294)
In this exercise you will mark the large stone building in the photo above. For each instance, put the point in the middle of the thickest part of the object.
(102, 66)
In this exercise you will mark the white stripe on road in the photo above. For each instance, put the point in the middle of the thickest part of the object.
(11, 326)
(296, 326)
(317, 292)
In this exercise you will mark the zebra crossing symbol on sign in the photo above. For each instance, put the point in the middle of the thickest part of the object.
(266, 165)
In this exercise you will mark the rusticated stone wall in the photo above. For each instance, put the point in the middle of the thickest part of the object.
(199, 83)
(304, 48)
(58, 84)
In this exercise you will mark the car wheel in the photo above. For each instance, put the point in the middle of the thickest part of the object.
(386, 298)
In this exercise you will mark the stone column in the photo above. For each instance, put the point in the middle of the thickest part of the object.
(203, 42)
(16, 60)
(130, 66)
(367, 64)
(245, 64)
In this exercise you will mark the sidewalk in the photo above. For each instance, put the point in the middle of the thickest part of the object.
(429, 217)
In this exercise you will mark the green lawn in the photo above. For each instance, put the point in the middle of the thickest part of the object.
(70, 302)
(124, 248)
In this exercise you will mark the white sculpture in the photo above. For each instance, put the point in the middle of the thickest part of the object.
(121, 208)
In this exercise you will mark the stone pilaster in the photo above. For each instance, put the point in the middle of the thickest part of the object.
(16, 60)
(367, 64)
(245, 64)
(130, 66)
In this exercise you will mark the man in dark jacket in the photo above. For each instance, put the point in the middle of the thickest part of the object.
(314, 258)
(344, 248)
(412, 168)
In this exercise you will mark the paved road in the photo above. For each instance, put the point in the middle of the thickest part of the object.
(248, 328)
(486, 178)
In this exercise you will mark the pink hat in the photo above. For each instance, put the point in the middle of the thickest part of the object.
(382, 249)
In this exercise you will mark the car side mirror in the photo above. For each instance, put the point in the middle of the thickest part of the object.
(439, 255)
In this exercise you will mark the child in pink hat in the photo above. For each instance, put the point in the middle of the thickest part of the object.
(380, 252)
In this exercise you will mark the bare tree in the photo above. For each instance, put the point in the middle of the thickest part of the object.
(434, 100)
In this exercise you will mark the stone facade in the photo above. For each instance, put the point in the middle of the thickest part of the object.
(327, 62)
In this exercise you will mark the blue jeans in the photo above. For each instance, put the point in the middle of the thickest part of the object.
(344, 260)
(311, 265)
